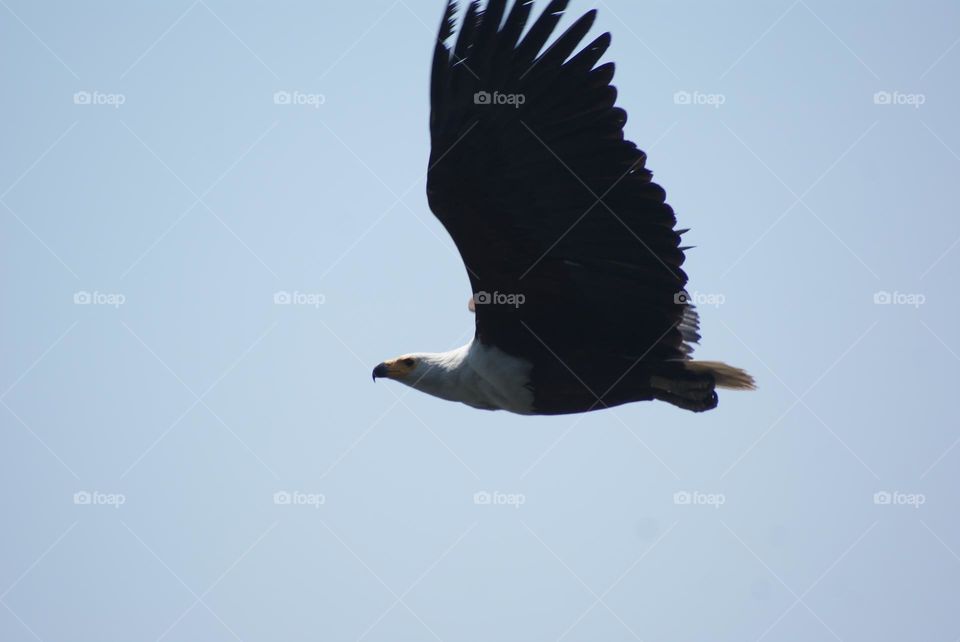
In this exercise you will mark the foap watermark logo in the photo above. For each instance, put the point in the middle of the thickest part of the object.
(499, 298)
(699, 98)
(97, 498)
(299, 498)
(497, 498)
(701, 299)
(298, 98)
(308, 299)
(899, 498)
(911, 299)
(699, 498)
(899, 98)
(99, 98)
(499, 99)
(112, 299)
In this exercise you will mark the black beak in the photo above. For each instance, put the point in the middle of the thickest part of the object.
(380, 371)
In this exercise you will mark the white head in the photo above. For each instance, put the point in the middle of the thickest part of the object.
(436, 374)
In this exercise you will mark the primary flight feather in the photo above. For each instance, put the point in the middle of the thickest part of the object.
(571, 250)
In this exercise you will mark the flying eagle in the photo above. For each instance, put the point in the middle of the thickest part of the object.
(570, 247)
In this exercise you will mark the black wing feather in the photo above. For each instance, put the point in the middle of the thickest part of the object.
(548, 200)
(540, 31)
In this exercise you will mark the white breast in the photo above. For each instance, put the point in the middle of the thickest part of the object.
(493, 379)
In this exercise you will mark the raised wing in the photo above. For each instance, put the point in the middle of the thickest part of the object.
(563, 233)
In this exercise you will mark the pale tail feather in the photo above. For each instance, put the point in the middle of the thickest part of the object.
(725, 376)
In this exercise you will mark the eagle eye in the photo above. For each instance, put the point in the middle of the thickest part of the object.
(408, 362)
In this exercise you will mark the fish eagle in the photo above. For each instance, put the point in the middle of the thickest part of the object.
(571, 250)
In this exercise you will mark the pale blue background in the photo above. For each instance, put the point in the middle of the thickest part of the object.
(855, 398)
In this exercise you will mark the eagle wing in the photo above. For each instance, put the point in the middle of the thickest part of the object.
(568, 243)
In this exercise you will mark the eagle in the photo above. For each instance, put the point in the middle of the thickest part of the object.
(571, 250)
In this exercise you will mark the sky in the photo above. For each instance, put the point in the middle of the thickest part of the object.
(214, 224)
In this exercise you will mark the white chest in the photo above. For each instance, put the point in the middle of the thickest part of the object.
(493, 380)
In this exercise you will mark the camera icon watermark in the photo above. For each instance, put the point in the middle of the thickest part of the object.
(701, 299)
(308, 299)
(497, 498)
(99, 98)
(499, 99)
(898, 98)
(912, 299)
(298, 498)
(698, 498)
(499, 298)
(699, 98)
(97, 498)
(299, 98)
(898, 498)
(112, 299)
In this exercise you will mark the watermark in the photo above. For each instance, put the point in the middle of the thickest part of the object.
(698, 498)
(299, 99)
(96, 498)
(99, 98)
(913, 299)
(499, 298)
(699, 98)
(311, 299)
(699, 298)
(899, 98)
(298, 498)
(113, 299)
(497, 98)
(496, 498)
(898, 498)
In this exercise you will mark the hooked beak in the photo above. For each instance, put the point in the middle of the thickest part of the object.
(380, 371)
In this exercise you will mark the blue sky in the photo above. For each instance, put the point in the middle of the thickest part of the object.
(199, 274)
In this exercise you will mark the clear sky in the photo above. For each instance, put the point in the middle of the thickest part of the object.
(183, 458)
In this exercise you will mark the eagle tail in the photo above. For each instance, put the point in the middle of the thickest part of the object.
(724, 376)
(691, 384)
